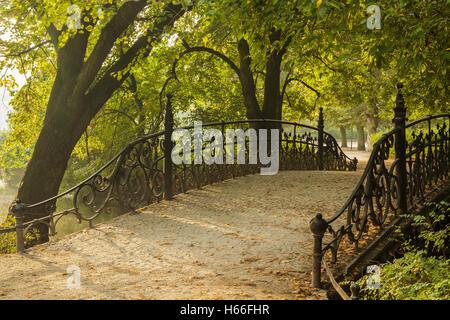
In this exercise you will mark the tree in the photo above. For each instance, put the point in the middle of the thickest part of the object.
(93, 60)
(413, 43)
(94, 76)
(260, 57)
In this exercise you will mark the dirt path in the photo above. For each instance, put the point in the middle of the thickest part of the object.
(246, 238)
(362, 156)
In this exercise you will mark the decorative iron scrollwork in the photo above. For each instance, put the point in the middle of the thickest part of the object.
(377, 195)
(135, 177)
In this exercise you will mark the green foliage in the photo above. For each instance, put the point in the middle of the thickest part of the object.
(413, 41)
(415, 276)
(331, 50)
(3, 136)
(423, 272)
(26, 118)
(8, 240)
(433, 229)
(409, 135)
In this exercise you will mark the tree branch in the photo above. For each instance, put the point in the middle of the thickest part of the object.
(113, 29)
(104, 88)
(111, 111)
(306, 85)
(205, 49)
(286, 45)
(326, 64)
(27, 50)
(48, 58)
(286, 83)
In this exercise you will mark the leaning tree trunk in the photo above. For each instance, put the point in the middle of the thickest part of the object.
(79, 91)
(45, 171)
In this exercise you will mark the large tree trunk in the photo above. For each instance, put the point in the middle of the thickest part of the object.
(273, 100)
(344, 143)
(361, 140)
(77, 95)
(48, 164)
(247, 83)
(271, 108)
(272, 94)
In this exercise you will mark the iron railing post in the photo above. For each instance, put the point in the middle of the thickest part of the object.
(320, 125)
(17, 209)
(400, 148)
(168, 146)
(354, 288)
(318, 227)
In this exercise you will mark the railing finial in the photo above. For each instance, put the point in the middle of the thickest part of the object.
(354, 288)
(318, 225)
(16, 207)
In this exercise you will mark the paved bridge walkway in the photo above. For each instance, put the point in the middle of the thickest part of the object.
(246, 238)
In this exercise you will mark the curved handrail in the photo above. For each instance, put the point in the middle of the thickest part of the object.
(368, 168)
(428, 118)
(96, 173)
(153, 135)
(375, 196)
(135, 172)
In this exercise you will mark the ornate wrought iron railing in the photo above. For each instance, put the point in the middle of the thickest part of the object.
(144, 173)
(399, 174)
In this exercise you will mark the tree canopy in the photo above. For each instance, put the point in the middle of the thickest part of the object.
(97, 70)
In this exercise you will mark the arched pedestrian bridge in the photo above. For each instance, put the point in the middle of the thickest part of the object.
(225, 232)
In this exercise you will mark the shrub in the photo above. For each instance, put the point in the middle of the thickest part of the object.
(8, 240)
(434, 228)
(412, 277)
(423, 272)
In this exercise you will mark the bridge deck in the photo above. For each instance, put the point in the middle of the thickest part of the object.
(246, 238)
